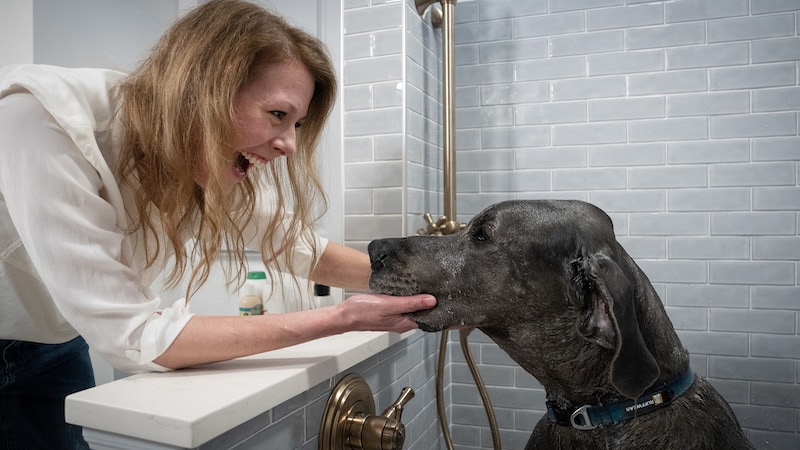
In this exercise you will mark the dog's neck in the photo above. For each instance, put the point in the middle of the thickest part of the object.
(555, 367)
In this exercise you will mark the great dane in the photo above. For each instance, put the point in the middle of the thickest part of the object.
(550, 284)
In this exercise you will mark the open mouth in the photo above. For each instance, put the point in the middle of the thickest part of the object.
(244, 161)
(241, 164)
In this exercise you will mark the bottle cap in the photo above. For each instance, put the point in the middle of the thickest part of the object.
(320, 290)
(256, 275)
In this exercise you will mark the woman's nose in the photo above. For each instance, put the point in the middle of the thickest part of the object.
(286, 142)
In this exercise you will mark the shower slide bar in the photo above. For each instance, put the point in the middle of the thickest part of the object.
(448, 223)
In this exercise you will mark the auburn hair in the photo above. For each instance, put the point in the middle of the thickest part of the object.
(178, 111)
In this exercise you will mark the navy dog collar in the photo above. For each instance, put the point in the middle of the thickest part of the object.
(588, 417)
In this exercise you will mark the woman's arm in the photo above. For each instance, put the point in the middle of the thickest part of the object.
(342, 267)
(207, 339)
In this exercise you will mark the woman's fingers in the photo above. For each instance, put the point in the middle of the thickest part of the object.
(378, 312)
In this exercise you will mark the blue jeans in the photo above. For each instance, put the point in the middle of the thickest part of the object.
(34, 380)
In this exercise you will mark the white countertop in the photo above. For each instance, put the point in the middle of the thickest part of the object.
(189, 407)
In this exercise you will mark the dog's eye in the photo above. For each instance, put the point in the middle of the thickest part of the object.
(481, 234)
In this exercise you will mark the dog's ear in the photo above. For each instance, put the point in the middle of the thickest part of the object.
(607, 317)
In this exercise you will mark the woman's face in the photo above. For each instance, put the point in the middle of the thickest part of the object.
(269, 110)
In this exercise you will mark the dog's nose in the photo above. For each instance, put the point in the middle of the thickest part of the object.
(379, 251)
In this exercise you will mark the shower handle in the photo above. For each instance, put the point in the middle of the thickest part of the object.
(384, 432)
(349, 421)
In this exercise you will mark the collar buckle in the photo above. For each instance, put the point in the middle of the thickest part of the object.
(588, 417)
(580, 419)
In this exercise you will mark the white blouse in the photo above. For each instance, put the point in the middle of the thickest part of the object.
(67, 267)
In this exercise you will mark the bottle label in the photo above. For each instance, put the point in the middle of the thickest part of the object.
(255, 310)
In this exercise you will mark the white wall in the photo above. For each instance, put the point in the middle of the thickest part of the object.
(16, 32)
(98, 33)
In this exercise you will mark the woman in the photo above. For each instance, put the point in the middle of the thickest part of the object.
(105, 178)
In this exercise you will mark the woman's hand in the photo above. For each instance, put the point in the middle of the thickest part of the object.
(207, 339)
(378, 312)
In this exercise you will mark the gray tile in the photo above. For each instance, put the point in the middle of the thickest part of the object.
(691, 10)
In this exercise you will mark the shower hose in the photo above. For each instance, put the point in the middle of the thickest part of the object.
(487, 404)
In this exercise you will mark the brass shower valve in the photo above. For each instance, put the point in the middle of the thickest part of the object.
(384, 432)
(349, 421)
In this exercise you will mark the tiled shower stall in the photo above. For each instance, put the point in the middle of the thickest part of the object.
(679, 118)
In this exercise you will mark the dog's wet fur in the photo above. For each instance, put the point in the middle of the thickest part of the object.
(550, 284)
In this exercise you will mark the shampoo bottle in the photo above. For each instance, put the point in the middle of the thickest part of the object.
(250, 303)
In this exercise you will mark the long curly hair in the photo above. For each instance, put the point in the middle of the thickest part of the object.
(178, 111)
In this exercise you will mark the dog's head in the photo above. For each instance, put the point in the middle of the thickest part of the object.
(545, 271)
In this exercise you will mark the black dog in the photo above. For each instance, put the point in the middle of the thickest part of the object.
(550, 284)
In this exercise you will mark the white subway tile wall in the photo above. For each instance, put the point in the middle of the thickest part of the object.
(680, 118)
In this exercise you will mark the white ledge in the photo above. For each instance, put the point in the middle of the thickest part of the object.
(189, 407)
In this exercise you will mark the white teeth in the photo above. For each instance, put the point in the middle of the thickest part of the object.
(255, 160)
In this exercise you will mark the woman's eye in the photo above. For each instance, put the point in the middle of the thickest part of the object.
(298, 125)
(278, 114)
